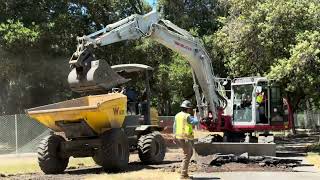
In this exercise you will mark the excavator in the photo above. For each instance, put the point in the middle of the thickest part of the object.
(89, 74)
(235, 115)
(108, 126)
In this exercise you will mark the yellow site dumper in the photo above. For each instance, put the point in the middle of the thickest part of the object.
(105, 127)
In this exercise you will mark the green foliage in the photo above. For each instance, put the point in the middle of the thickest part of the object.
(199, 16)
(300, 72)
(37, 39)
(279, 39)
(16, 35)
(180, 77)
(274, 38)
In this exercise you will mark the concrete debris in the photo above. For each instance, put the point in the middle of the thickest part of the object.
(211, 138)
(219, 160)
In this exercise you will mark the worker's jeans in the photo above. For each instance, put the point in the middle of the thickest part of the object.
(187, 147)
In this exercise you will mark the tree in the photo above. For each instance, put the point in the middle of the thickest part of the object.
(262, 37)
(299, 73)
(38, 37)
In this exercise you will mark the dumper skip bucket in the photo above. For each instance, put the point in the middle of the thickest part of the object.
(97, 113)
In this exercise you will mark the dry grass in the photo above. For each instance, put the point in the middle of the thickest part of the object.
(314, 158)
(29, 164)
(137, 175)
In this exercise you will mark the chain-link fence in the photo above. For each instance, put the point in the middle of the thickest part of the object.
(307, 120)
(21, 134)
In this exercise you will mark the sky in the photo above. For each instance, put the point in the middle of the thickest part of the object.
(151, 1)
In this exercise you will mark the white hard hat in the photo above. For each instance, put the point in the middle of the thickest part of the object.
(186, 104)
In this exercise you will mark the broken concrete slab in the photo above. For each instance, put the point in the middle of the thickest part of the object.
(220, 159)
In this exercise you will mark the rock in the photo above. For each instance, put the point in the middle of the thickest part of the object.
(223, 159)
(262, 164)
(211, 138)
(3, 175)
(245, 155)
(256, 159)
(206, 160)
(292, 165)
(243, 158)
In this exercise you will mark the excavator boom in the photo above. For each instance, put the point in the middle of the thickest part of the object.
(89, 74)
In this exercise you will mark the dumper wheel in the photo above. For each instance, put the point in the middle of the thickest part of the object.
(49, 159)
(113, 156)
(151, 148)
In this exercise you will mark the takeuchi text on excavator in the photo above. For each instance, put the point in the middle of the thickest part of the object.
(250, 104)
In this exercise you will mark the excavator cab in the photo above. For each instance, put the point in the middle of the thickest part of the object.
(258, 101)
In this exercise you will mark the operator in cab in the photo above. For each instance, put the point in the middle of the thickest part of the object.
(183, 130)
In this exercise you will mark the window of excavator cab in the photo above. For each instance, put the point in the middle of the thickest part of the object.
(242, 103)
(262, 106)
(276, 105)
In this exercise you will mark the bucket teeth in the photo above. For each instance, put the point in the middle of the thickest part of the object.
(95, 78)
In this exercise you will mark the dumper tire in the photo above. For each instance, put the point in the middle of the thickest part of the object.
(113, 155)
(49, 159)
(151, 148)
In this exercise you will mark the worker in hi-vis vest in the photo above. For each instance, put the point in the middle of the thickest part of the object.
(183, 130)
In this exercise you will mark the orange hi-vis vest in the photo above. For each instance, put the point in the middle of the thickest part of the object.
(183, 128)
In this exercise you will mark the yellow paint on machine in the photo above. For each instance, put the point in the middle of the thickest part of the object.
(101, 112)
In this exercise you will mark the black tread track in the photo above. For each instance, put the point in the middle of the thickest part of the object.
(145, 150)
(48, 158)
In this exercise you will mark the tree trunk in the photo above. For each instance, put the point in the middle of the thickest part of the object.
(293, 109)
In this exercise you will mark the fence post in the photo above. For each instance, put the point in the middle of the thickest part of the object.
(16, 131)
(318, 120)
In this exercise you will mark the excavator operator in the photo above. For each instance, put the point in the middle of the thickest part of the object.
(183, 131)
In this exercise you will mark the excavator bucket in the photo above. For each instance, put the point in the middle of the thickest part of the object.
(96, 76)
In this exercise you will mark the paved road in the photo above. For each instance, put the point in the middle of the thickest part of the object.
(258, 176)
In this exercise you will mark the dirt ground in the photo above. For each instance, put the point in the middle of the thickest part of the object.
(171, 164)
(169, 168)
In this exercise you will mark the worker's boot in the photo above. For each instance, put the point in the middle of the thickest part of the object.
(185, 177)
